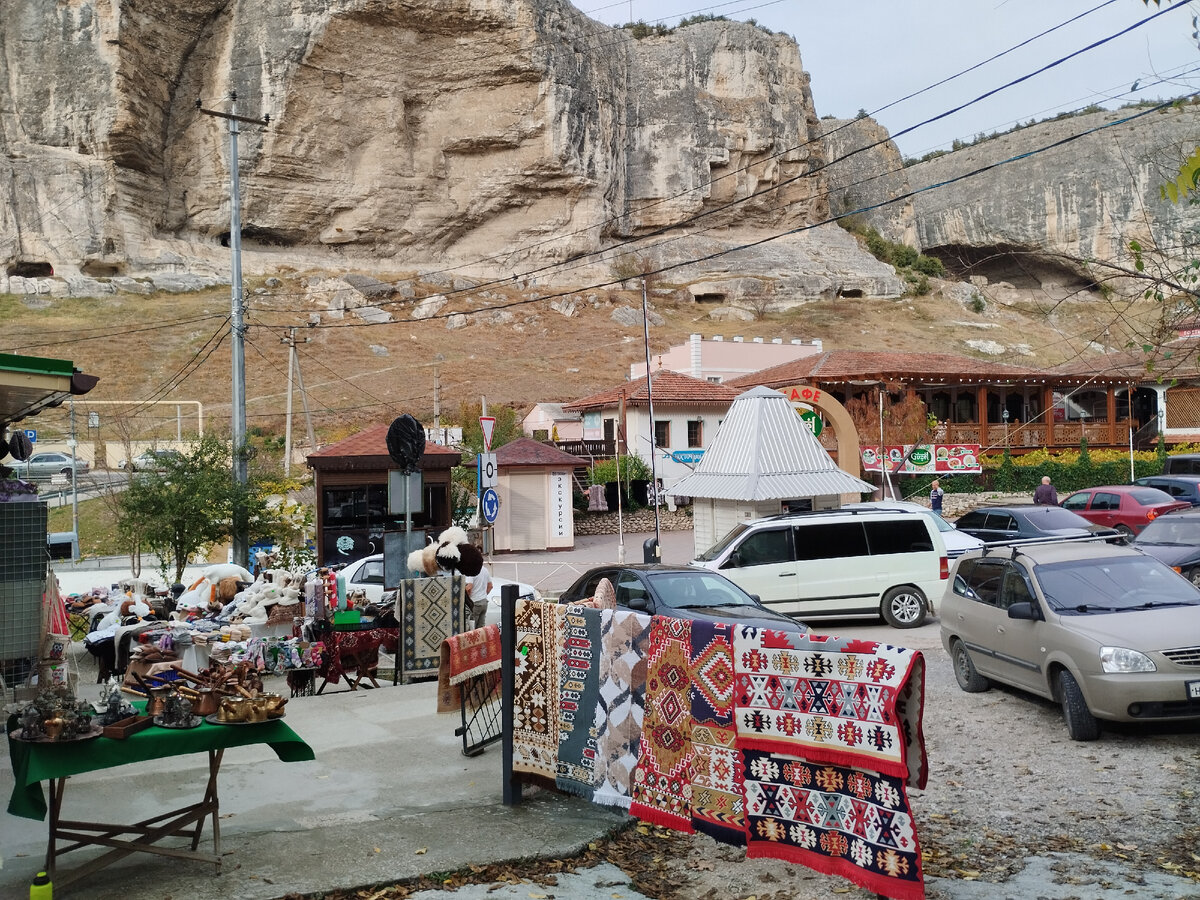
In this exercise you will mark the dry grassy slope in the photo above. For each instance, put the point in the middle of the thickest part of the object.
(139, 344)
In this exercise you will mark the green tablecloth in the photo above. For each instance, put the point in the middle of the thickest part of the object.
(34, 763)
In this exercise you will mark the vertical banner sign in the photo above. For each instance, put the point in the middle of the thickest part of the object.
(488, 425)
(560, 503)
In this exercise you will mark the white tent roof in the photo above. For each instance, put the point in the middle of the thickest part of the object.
(764, 451)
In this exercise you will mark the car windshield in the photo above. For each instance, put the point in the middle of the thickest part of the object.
(1151, 496)
(942, 524)
(690, 589)
(1115, 584)
(1170, 530)
(719, 547)
(1048, 518)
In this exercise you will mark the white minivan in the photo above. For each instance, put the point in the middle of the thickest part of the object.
(838, 563)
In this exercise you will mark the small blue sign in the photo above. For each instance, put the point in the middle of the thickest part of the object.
(31, 433)
(688, 457)
(491, 505)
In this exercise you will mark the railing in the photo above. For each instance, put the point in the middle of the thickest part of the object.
(587, 449)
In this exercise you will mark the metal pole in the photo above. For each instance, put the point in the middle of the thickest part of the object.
(312, 442)
(653, 448)
(74, 490)
(287, 434)
(241, 540)
(1132, 474)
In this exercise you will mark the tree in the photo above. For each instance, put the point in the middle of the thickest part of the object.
(508, 426)
(187, 507)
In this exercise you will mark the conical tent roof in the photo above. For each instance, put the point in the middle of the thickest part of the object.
(764, 451)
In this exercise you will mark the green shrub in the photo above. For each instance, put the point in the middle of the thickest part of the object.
(905, 256)
(928, 265)
(977, 304)
(633, 468)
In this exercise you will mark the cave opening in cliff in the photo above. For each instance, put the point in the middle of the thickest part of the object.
(255, 235)
(1024, 268)
(101, 269)
(25, 269)
(714, 299)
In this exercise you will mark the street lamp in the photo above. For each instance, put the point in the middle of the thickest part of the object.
(1004, 417)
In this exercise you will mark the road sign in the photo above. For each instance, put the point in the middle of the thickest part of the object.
(31, 433)
(491, 505)
(488, 425)
(488, 476)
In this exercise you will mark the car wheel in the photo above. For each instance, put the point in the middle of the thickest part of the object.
(1081, 724)
(964, 670)
(904, 607)
(1193, 575)
(1126, 533)
(66, 472)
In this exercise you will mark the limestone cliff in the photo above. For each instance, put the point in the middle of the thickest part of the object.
(405, 134)
(999, 211)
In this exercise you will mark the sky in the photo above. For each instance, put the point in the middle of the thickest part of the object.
(866, 54)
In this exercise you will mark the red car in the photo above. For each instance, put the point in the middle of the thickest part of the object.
(1126, 507)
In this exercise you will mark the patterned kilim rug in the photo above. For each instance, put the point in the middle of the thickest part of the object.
(717, 804)
(463, 656)
(431, 610)
(579, 688)
(662, 781)
(831, 700)
(539, 643)
(624, 636)
(836, 820)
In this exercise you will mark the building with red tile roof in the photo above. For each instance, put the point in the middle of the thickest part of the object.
(351, 481)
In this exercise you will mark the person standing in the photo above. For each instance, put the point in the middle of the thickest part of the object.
(935, 497)
(478, 589)
(1045, 495)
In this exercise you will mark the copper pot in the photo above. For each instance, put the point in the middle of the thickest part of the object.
(207, 702)
(156, 704)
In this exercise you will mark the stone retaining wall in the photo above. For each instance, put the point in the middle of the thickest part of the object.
(637, 521)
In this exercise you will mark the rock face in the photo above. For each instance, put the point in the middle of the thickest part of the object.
(1002, 221)
(1088, 198)
(549, 135)
(865, 174)
(500, 135)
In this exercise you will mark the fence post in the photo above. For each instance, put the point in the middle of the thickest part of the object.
(508, 651)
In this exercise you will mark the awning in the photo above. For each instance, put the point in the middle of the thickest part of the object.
(30, 384)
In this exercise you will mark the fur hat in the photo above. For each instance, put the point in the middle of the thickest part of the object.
(455, 552)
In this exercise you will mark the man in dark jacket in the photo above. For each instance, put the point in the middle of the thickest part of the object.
(1045, 495)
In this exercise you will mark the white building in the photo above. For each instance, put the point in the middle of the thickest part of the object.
(687, 412)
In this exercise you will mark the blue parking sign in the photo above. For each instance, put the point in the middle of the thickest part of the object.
(31, 433)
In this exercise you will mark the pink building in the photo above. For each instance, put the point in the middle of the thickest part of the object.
(718, 360)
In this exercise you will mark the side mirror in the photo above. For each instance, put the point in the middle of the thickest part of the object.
(639, 603)
(734, 561)
(1024, 610)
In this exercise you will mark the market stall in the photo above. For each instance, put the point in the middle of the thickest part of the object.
(53, 761)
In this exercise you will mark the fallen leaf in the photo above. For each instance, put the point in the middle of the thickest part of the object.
(422, 851)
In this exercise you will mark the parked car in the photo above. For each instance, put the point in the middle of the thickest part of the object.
(1106, 631)
(366, 575)
(1023, 522)
(48, 464)
(683, 592)
(837, 563)
(1175, 540)
(1182, 464)
(1181, 487)
(151, 460)
(1126, 507)
(957, 542)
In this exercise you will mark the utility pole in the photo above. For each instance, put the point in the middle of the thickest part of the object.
(74, 489)
(293, 366)
(656, 550)
(241, 540)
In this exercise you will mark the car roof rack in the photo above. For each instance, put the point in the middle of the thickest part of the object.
(841, 510)
(1017, 543)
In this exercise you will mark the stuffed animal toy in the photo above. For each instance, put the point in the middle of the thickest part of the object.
(456, 553)
(424, 560)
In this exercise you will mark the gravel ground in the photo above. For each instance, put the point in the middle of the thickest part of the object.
(1013, 808)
